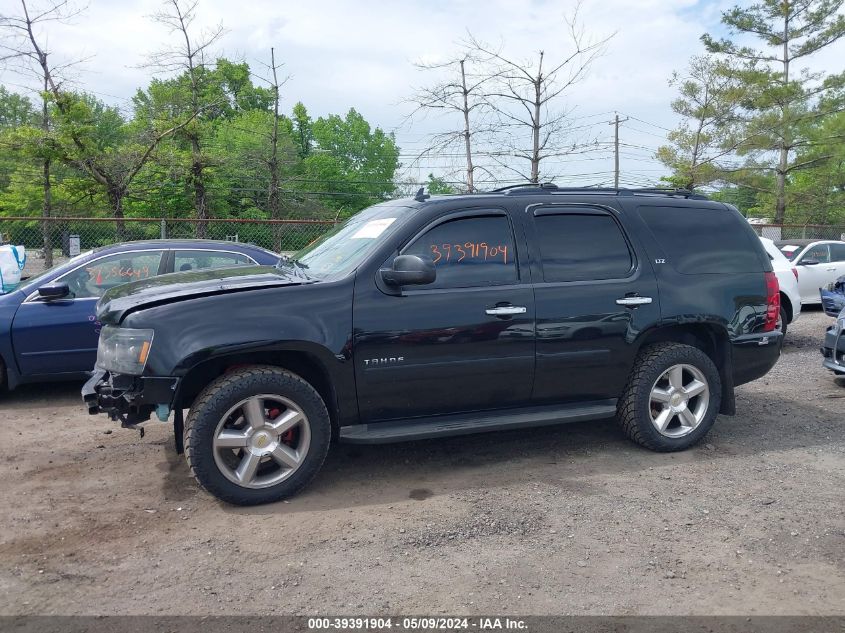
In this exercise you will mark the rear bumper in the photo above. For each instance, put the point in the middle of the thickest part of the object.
(129, 399)
(754, 355)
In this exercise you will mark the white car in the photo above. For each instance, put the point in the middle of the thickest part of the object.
(787, 274)
(819, 263)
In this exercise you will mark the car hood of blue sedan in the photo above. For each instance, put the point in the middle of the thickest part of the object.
(121, 300)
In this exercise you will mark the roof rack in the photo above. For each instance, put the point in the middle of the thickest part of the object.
(549, 187)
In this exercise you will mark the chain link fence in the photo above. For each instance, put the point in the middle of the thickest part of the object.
(800, 231)
(64, 237)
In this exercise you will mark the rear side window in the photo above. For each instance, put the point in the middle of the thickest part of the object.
(703, 240)
(201, 260)
(837, 252)
(475, 251)
(576, 247)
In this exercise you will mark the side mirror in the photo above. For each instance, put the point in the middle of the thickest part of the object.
(409, 270)
(52, 292)
(809, 262)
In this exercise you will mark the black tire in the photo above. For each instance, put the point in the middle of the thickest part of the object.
(634, 408)
(783, 321)
(224, 393)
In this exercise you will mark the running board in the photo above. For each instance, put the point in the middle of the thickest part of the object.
(478, 422)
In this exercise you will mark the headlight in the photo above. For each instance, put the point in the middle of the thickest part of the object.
(124, 350)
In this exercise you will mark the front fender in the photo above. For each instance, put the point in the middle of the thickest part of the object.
(314, 319)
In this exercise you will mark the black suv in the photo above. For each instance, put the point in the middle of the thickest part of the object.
(445, 315)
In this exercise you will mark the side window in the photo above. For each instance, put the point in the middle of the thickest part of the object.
(93, 279)
(700, 240)
(199, 260)
(466, 252)
(818, 253)
(575, 246)
(837, 252)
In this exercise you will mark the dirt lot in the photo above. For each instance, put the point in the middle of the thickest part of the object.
(564, 520)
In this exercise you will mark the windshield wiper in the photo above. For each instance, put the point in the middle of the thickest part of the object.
(297, 266)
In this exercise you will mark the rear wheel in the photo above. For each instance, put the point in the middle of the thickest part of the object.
(672, 397)
(783, 319)
(257, 435)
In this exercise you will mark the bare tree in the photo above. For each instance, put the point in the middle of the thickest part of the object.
(460, 93)
(21, 49)
(114, 174)
(525, 97)
(274, 163)
(189, 57)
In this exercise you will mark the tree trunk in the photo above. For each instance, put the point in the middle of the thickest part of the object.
(273, 163)
(46, 212)
(47, 208)
(537, 123)
(200, 202)
(783, 160)
(116, 196)
(467, 134)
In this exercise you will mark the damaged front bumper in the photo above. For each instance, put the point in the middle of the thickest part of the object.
(129, 399)
(833, 349)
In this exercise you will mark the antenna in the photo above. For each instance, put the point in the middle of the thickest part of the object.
(422, 196)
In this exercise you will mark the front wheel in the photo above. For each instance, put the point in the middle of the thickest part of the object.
(672, 397)
(257, 435)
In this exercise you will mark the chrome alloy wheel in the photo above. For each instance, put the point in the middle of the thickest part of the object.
(678, 401)
(261, 441)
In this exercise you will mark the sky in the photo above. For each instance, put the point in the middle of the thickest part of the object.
(340, 54)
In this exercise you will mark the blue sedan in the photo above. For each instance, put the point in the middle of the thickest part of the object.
(48, 330)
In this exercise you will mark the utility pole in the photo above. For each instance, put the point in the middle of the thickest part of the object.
(615, 123)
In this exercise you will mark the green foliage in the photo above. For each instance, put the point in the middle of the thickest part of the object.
(436, 185)
(144, 165)
(782, 103)
(709, 96)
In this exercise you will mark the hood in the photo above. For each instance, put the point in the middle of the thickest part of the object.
(121, 300)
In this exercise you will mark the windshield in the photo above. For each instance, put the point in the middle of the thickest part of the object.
(35, 281)
(343, 248)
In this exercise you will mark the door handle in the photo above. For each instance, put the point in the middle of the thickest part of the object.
(830, 270)
(633, 301)
(506, 310)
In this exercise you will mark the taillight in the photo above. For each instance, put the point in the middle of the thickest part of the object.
(772, 302)
(795, 272)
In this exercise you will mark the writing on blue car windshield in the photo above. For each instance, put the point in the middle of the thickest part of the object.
(33, 282)
(345, 247)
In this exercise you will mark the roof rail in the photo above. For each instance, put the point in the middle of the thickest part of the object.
(548, 187)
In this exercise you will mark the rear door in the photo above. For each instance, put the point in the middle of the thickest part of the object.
(837, 257)
(56, 337)
(593, 294)
(815, 270)
(463, 343)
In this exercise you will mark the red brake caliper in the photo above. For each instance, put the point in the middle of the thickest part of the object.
(287, 436)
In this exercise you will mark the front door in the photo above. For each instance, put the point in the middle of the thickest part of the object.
(593, 296)
(57, 337)
(463, 343)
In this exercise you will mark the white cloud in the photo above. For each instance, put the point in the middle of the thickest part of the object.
(344, 53)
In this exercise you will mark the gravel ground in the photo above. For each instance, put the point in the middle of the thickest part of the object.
(560, 520)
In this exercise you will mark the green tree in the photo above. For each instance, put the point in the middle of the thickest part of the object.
(438, 185)
(351, 161)
(709, 96)
(817, 195)
(782, 99)
(302, 132)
